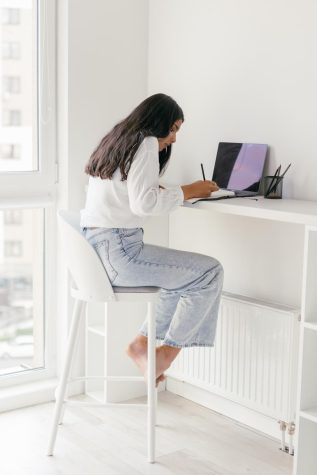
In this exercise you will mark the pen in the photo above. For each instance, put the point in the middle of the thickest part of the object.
(276, 175)
(279, 179)
(202, 171)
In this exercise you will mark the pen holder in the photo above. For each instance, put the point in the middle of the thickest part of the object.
(273, 187)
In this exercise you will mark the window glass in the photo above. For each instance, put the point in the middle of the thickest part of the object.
(21, 290)
(19, 86)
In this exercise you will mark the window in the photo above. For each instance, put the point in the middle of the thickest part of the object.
(11, 118)
(10, 50)
(10, 16)
(12, 248)
(10, 151)
(27, 190)
(11, 84)
(12, 216)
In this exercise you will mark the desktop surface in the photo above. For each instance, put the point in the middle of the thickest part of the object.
(286, 210)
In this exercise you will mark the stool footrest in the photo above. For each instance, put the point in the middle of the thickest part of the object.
(100, 404)
(108, 378)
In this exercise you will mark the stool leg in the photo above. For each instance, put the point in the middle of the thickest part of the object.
(65, 373)
(156, 404)
(151, 380)
(62, 412)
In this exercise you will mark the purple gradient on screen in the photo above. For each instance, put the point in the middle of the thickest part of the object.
(248, 166)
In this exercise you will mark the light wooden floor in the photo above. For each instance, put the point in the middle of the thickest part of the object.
(190, 440)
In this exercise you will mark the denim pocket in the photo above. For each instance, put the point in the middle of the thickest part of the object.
(102, 249)
(131, 241)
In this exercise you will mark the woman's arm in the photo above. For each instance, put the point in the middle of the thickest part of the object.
(146, 196)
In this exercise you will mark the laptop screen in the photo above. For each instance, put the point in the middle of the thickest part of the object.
(239, 166)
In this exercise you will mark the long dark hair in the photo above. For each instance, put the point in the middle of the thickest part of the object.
(155, 117)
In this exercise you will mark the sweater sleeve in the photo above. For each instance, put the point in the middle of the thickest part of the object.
(145, 196)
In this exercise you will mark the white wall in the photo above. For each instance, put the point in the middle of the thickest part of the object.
(261, 259)
(242, 71)
(107, 74)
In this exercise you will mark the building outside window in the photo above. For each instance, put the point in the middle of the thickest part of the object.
(21, 290)
(19, 85)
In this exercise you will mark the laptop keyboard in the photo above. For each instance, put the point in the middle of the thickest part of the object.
(245, 193)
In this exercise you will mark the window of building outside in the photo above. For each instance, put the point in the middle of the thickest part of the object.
(11, 85)
(10, 16)
(12, 216)
(10, 151)
(11, 118)
(10, 49)
(12, 249)
(24, 170)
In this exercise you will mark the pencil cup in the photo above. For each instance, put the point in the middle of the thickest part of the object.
(273, 187)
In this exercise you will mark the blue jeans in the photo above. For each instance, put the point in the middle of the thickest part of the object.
(191, 283)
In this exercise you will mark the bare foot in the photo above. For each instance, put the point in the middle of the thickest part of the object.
(165, 355)
(161, 378)
(137, 351)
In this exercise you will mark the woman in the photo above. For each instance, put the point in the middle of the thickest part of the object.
(123, 191)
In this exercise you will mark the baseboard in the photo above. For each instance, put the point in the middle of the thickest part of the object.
(39, 392)
(238, 413)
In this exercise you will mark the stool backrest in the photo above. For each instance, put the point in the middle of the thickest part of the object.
(83, 262)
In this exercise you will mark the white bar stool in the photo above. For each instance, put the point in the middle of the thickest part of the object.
(93, 285)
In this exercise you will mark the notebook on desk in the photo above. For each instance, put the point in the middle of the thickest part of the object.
(238, 170)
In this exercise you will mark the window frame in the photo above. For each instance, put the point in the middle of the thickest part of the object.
(36, 189)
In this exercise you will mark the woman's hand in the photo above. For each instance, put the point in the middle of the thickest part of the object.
(199, 189)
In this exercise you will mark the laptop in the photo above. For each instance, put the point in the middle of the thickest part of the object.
(239, 167)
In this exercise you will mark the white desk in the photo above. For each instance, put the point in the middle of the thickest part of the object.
(302, 213)
(289, 211)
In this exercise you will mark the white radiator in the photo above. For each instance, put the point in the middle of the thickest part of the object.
(254, 360)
